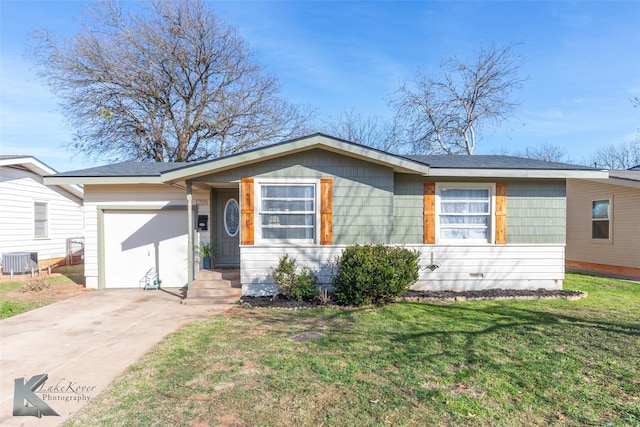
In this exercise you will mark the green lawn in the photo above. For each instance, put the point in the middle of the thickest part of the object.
(511, 363)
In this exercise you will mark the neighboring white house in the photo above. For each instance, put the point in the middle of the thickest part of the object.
(35, 218)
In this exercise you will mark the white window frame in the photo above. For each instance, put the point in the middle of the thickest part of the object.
(258, 211)
(45, 220)
(492, 211)
(610, 219)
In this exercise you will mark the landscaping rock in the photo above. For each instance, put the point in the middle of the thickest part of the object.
(278, 301)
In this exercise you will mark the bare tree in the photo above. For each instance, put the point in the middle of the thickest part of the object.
(165, 80)
(546, 151)
(623, 155)
(444, 113)
(371, 130)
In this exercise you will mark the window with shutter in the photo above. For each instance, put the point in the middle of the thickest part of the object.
(469, 212)
(288, 211)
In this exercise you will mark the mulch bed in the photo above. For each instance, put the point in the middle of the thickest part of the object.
(278, 301)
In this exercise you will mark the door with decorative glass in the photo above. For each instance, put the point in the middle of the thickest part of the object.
(227, 228)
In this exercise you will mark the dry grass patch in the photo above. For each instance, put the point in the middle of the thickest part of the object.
(19, 296)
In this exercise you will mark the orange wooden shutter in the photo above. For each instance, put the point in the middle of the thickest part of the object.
(247, 211)
(501, 214)
(429, 213)
(326, 211)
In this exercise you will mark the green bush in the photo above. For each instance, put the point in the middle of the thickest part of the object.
(304, 287)
(374, 274)
(300, 287)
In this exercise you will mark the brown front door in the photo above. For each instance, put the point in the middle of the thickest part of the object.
(227, 228)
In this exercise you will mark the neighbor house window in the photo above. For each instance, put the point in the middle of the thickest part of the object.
(40, 220)
(601, 219)
(288, 212)
(465, 213)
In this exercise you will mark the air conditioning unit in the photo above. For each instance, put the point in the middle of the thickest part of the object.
(19, 262)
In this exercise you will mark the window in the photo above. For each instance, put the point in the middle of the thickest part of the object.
(231, 217)
(600, 219)
(288, 212)
(465, 213)
(40, 221)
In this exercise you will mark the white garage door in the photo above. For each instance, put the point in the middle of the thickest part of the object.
(137, 241)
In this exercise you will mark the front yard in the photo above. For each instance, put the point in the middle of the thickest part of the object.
(19, 296)
(511, 363)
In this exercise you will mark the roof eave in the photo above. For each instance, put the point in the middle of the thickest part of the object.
(101, 180)
(29, 162)
(36, 166)
(617, 181)
(518, 173)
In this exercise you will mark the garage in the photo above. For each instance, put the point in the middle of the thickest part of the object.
(138, 241)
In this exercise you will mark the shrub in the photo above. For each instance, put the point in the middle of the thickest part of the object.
(291, 284)
(374, 274)
(324, 296)
(304, 287)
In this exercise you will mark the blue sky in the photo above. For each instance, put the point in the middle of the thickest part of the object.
(582, 60)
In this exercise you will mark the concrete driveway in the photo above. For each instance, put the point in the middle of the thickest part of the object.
(83, 344)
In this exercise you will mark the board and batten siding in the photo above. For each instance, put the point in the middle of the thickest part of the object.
(19, 190)
(362, 192)
(460, 267)
(135, 197)
(620, 255)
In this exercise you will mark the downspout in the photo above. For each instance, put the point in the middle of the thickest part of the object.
(190, 248)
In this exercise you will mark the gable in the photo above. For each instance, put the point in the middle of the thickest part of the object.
(28, 166)
(318, 143)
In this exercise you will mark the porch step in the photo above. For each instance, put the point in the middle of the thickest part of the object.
(215, 287)
(231, 274)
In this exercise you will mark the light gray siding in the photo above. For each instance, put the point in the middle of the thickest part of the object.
(362, 192)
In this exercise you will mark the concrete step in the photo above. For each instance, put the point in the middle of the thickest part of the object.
(231, 274)
(214, 292)
(208, 275)
(212, 284)
(215, 287)
(210, 300)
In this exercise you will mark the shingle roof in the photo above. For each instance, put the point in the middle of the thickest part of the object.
(492, 162)
(631, 175)
(125, 169)
(439, 162)
(495, 162)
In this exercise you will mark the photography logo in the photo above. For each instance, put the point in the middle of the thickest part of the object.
(24, 395)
